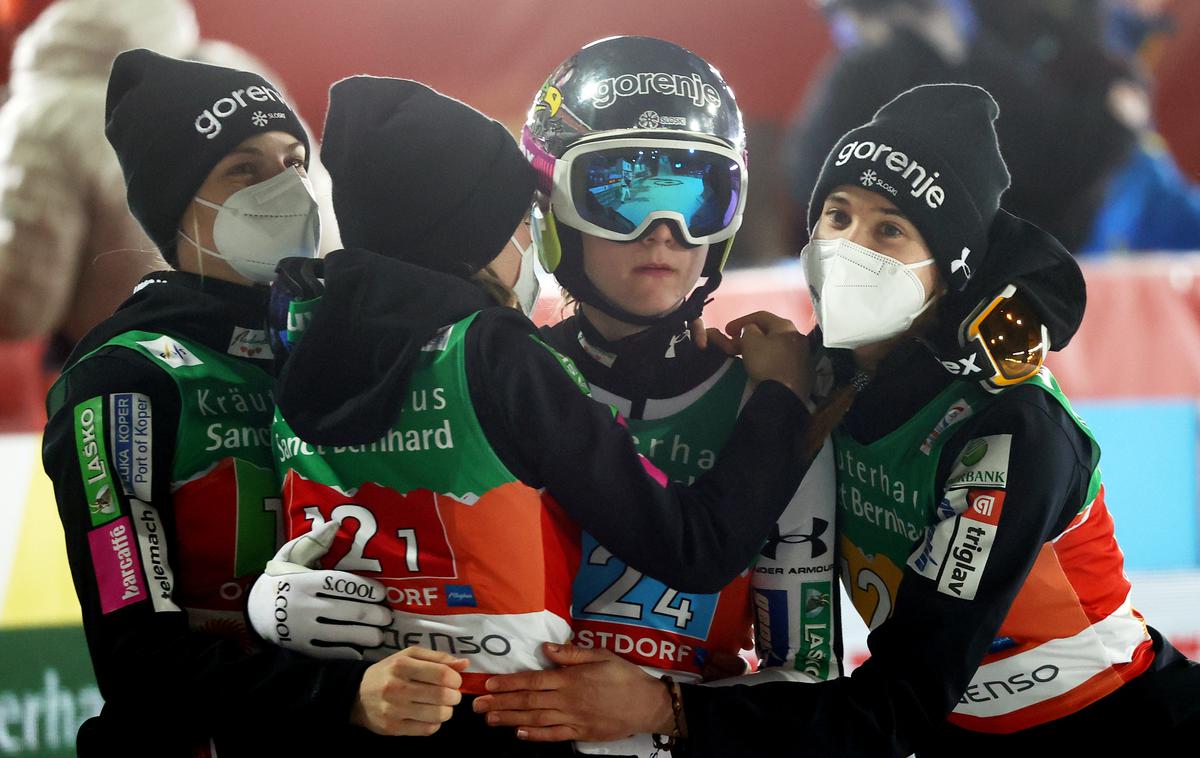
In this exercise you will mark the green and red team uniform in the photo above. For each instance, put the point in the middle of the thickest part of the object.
(977, 546)
(159, 448)
(1070, 636)
(476, 563)
(680, 403)
(468, 505)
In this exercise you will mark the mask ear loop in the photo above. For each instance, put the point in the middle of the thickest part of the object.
(199, 250)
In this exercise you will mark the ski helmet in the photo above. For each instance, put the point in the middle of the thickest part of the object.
(635, 111)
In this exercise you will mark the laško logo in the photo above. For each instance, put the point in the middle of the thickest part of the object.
(922, 181)
(209, 124)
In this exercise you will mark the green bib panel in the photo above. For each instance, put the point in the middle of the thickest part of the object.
(887, 500)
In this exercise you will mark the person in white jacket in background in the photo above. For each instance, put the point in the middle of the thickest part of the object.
(70, 251)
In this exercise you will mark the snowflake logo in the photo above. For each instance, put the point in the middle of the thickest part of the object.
(867, 178)
(648, 120)
(259, 118)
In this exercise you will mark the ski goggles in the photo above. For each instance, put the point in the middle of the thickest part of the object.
(1009, 332)
(615, 188)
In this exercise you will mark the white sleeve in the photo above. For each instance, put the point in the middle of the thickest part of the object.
(793, 586)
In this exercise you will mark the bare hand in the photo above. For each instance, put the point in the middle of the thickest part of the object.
(723, 665)
(699, 333)
(409, 693)
(595, 697)
(771, 348)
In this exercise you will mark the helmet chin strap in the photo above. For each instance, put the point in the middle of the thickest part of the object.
(580, 286)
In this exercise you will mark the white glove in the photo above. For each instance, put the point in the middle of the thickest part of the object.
(317, 612)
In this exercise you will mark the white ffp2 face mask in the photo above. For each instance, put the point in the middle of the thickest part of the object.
(528, 287)
(258, 226)
(861, 296)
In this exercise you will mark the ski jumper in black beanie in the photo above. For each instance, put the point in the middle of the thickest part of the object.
(974, 536)
(158, 447)
(171, 121)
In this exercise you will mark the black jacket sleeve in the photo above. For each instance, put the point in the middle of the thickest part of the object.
(150, 667)
(924, 655)
(550, 434)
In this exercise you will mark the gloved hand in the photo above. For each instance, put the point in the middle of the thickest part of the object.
(318, 612)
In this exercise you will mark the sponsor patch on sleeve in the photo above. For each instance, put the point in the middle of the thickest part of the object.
(118, 570)
(152, 544)
(772, 628)
(971, 543)
(132, 442)
(983, 462)
(929, 556)
(94, 468)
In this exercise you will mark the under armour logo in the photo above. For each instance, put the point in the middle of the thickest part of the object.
(818, 545)
(686, 334)
(961, 263)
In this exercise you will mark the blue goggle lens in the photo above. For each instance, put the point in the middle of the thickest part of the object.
(618, 189)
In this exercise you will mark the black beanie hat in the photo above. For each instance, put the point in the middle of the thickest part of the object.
(170, 121)
(932, 151)
(420, 176)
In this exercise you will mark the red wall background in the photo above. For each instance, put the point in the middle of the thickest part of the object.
(495, 54)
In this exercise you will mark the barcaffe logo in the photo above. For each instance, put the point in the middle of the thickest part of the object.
(209, 121)
(605, 92)
(920, 179)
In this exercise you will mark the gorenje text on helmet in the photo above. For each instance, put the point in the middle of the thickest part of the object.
(607, 91)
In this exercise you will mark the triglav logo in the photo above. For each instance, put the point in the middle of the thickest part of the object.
(983, 505)
(922, 181)
(209, 124)
(607, 91)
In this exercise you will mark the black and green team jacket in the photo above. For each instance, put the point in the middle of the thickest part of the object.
(158, 445)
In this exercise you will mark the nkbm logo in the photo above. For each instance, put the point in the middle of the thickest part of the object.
(209, 124)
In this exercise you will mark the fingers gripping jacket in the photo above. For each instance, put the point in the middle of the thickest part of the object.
(318, 612)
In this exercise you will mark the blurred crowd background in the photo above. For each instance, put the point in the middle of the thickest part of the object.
(1100, 125)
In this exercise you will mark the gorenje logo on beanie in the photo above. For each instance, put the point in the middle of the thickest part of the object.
(922, 184)
(209, 124)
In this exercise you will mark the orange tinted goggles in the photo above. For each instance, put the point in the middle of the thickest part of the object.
(1012, 336)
